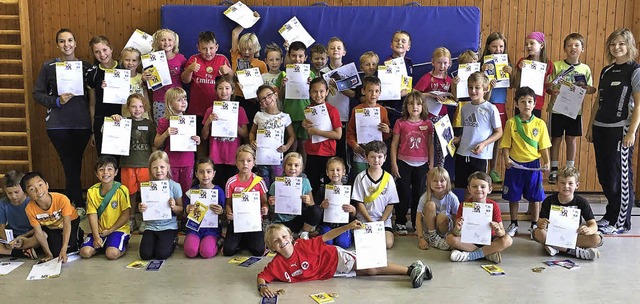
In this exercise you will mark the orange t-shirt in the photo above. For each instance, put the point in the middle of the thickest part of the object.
(51, 218)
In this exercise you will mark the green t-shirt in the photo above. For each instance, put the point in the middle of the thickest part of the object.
(143, 133)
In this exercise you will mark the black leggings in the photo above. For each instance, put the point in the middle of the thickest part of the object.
(54, 238)
(158, 245)
(411, 185)
(316, 171)
(234, 242)
(70, 145)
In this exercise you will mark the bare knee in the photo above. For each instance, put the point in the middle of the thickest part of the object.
(540, 235)
(112, 253)
(389, 239)
(87, 252)
(504, 242)
(442, 222)
(452, 240)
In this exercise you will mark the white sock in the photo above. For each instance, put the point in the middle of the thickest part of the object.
(571, 163)
(554, 164)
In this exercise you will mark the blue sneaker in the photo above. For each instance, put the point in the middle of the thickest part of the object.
(610, 229)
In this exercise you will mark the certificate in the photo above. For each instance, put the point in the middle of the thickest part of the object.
(195, 217)
(569, 100)
(47, 270)
(7, 267)
(69, 78)
(118, 84)
(533, 75)
(563, 226)
(288, 192)
(464, 71)
(337, 195)
(246, 212)
(390, 82)
(250, 80)
(444, 130)
(371, 244)
(367, 121)
(116, 136)
(156, 63)
(297, 81)
(267, 142)
(207, 197)
(156, 195)
(227, 123)
(241, 14)
(294, 31)
(399, 62)
(141, 41)
(476, 228)
(319, 118)
(345, 77)
(495, 69)
(186, 125)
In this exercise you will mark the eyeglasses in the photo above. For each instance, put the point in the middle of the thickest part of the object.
(266, 97)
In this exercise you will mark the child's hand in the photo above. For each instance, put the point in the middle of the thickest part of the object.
(172, 131)
(253, 144)
(356, 224)
(459, 223)
(589, 135)
(104, 84)
(212, 117)
(404, 92)
(507, 69)
(225, 69)
(106, 232)
(478, 149)
(217, 209)
(493, 83)
(309, 80)
(508, 163)
(286, 45)
(116, 117)
(307, 124)
(264, 210)
(348, 208)
(358, 149)
(196, 138)
(456, 140)
(194, 67)
(63, 255)
(189, 208)
(284, 81)
(266, 292)
(16, 243)
(230, 215)
(142, 207)
(172, 204)
(584, 230)
(384, 128)
(456, 80)
(394, 170)
(554, 92)
(146, 75)
(306, 199)
(47, 258)
(272, 200)
(422, 244)
(255, 14)
(283, 149)
(65, 97)
(441, 98)
(495, 227)
(543, 223)
(324, 204)
(544, 167)
(97, 243)
(521, 64)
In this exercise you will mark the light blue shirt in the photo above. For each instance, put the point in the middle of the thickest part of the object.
(172, 224)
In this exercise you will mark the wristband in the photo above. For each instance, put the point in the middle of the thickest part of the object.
(260, 286)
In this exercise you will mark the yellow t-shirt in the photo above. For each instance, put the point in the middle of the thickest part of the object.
(119, 203)
(519, 150)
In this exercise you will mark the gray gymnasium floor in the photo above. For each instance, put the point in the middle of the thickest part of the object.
(614, 278)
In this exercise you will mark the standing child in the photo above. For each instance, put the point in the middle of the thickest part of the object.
(161, 236)
(536, 51)
(400, 45)
(369, 67)
(525, 140)
(411, 151)
(168, 41)
(130, 60)
(336, 170)
(13, 217)
(244, 181)
(205, 240)
(338, 99)
(466, 57)
(480, 188)
(318, 58)
(273, 58)
(245, 51)
(588, 236)
(108, 210)
(437, 210)
(374, 190)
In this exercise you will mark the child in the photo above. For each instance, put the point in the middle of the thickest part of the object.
(411, 151)
(318, 58)
(181, 161)
(13, 216)
(588, 236)
(338, 99)
(244, 181)
(273, 58)
(336, 170)
(371, 92)
(525, 140)
(270, 118)
(161, 236)
(400, 45)
(205, 240)
(245, 51)
(561, 124)
(222, 150)
(135, 167)
(322, 261)
(374, 190)
(53, 218)
(466, 57)
(437, 210)
(108, 210)
(536, 51)
(130, 60)
(481, 128)
(168, 41)
(497, 44)
(480, 188)
(319, 153)
(369, 67)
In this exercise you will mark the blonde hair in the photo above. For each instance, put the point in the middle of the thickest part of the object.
(160, 155)
(130, 50)
(293, 155)
(145, 101)
(627, 35)
(416, 97)
(272, 47)
(336, 39)
(158, 34)
(369, 54)
(441, 52)
(569, 171)
(247, 149)
(467, 56)
(336, 159)
(479, 77)
(172, 95)
(270, 231)
(437, 173)
(250, 40)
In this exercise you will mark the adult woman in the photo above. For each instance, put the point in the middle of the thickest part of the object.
(68, 122)
(612, 130)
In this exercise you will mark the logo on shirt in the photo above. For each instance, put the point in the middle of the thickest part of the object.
(304, 265)
(114, 204)
(209, 69)
(471, 121)
(535, 132)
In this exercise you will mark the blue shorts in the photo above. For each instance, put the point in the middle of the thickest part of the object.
(116, 239)
(520, 183)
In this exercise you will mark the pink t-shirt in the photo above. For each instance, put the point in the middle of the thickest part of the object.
(176, 65)
(413, 139)
(222, 150)
(176, 159)
(429, 83)
(203, 83)
(234, 185)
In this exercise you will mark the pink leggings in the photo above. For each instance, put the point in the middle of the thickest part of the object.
(207, 246)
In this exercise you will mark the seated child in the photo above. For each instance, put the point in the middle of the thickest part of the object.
(336, 170)
(13, 217)
(437, 210)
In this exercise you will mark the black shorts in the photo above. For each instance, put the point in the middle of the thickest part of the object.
(564, 125)
(465, 166)
(388, 229)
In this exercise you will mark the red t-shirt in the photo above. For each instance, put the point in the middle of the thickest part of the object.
(428, 83)
(311, 260)
(540, 99)
(496, 217)
(413, 136)
(327, 147)
(203, 83)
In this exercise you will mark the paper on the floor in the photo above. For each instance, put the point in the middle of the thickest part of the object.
(238, 260)
(138, 264)
(7, 267)
(47, 270)
(493, 270)
(322, 297)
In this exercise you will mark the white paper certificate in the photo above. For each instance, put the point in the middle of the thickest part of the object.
(186, 125)
(141, 41)
(476, 228)
(227, 123)
(390, 82)
(156, 195)
(464, 71)
(267, 142)
(399, 62)
(7, 267)
(294, 31)
(319, 117)
(569, 100)
(533, 75)
(208, 197)
(563, 226)
(445, 135)
(159, 61)
(367, 121)
(251, 80)
(241, 14)
(246, 212)
(116, 136)
(297, 81)
(47, 270)
(117, 89)
(288, 192)
(69, 78)
(337, 195)
(371, 244)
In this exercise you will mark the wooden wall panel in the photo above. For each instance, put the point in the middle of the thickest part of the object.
(515, 18)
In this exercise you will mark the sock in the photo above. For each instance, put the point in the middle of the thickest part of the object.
(515, 222)
(431, 233)
(571, 163)
(534, 224)
(475, 255)
(409, 270)
(554, 165)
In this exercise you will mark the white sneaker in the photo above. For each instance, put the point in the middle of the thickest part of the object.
(551, 251)
(304, 235)
(602, 222)
(512, 230)
(531, 230)
(587, 253)
(401, 229)
(439, 242)
(459, 256)
(495, 257)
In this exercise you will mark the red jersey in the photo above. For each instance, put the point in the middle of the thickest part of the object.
(429, 83)
(496, 217)
(203, 83)
(327, 147)
(311, 260)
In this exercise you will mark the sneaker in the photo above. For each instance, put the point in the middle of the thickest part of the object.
(438, 242)
(553, 177)
(82, 213)
(531, 230)
(512, 230)
(459, 256)
(495, 177)
(419, 272)
(602, 222)
(495, 257)
(401, 229)
(551, 250)
(587, 253)
(304, 235)
(610, 229)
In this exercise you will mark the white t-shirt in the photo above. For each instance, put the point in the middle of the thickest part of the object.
(340, 101)
(389, 195)
(266, 121)
(478, 123)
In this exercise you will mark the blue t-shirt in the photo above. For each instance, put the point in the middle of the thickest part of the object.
(282, 218)
(14, 216)
(159, 225)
